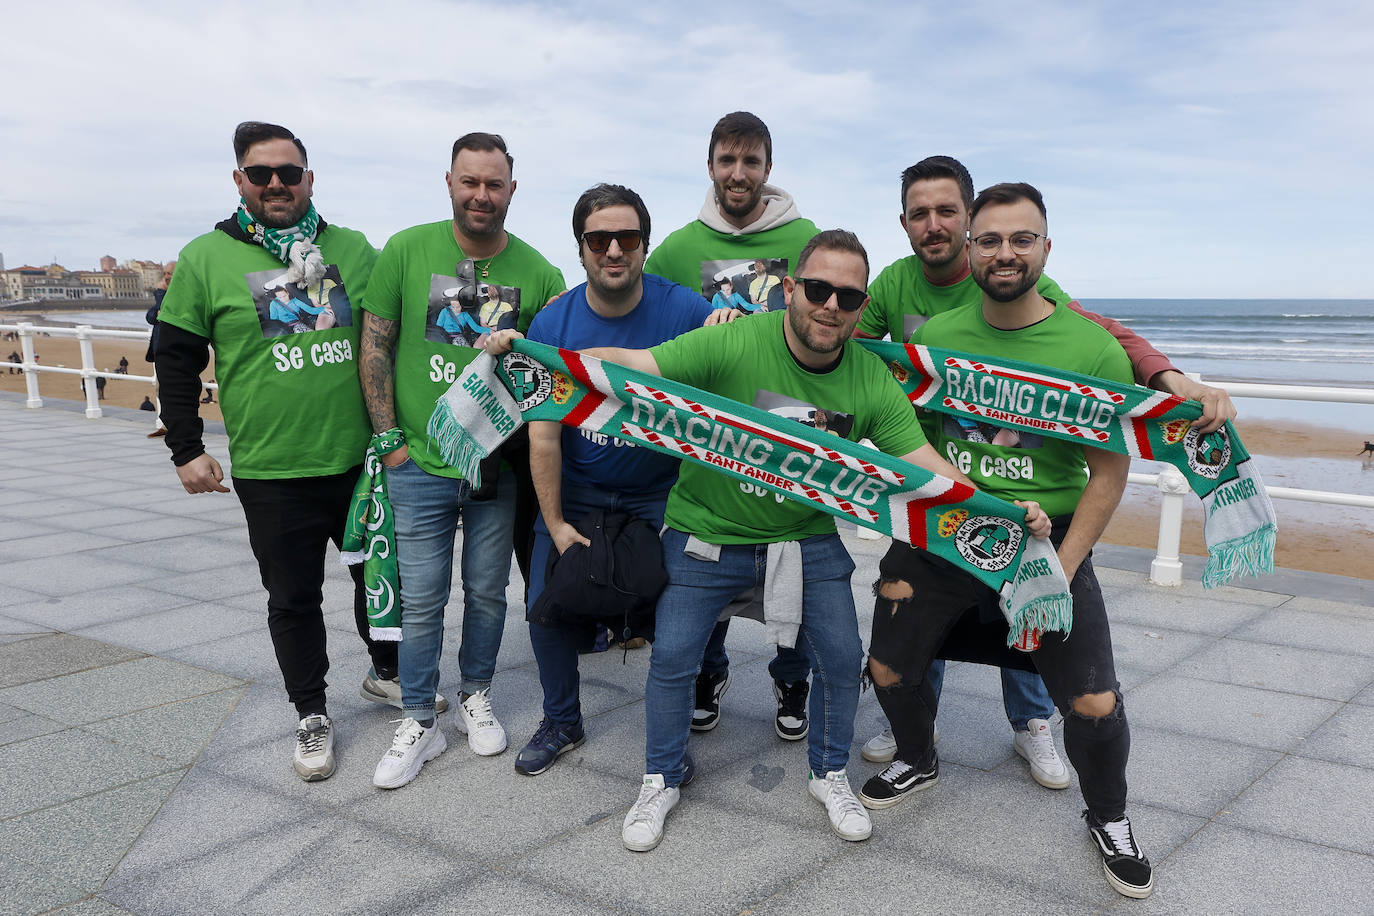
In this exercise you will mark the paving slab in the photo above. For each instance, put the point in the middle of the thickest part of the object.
(61, 766)
(1347, 737)
(56, 654)
(114, 690)
(1190, 773)
(1304, 672)
(176, 731)
(162, 631)
(1313, 800)
(1243, 715)
(102, 605)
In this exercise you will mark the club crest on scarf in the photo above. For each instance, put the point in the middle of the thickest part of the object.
(989, 543)
(529, 382)
(1207, 454)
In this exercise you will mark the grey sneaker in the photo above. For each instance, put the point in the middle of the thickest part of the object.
(314, 758)
(388, 692)
(880, 748)
(642, 829)
(1036, 745)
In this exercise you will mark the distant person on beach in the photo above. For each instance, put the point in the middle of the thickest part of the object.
(14, 357)
(1368, 446)
(742, 219)
(936, 195)
(147, 404)
(123, 366)
(920, 598)
(100, 386)
(209, 397)
(298, 428)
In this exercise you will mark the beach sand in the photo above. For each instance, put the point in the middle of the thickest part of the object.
(1305, 540)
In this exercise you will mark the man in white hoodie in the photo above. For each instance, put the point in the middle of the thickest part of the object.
(744, 223)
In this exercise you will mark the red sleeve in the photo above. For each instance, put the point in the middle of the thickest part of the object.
(1145, 359)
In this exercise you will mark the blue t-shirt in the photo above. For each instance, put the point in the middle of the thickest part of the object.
(665, 311)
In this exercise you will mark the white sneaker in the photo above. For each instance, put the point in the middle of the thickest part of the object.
(848, 818)
(475, 719)
(643, 826)
(1036, 744)
(412, 747)
(882, 748)
(388, 692)
(314, 759)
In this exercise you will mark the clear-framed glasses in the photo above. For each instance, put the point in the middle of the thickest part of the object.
(990, 243)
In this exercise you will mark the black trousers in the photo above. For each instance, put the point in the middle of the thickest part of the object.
(908, 634)
(289, 523)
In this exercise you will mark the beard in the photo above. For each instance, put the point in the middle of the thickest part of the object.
(464, 219)
(289, 218)
(1000, 292)
(804, 331)
(930, 260)
(743, 209)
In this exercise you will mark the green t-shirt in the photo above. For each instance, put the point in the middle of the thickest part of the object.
(901, 299)
(288, 390)
(415, 282)
(748, 361)
(1018, 464)
(699, 257)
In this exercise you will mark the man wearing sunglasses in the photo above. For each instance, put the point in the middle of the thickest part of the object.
(577, 472)
(937, 193)
(407, 362)
(745, 220)
(297, 427)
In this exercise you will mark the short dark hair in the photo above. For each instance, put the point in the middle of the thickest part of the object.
(480, 142)
(741, 127)
(1008, 193)
(833, 240)
(939, 167)
(251, 132)
(601, 196)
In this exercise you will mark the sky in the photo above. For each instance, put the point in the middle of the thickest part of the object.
(1185, 149)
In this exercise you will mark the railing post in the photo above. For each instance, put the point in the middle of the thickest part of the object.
(1166, 569)
(30, 365)
(88, 386)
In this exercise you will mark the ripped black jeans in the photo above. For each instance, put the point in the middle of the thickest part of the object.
(909, 631)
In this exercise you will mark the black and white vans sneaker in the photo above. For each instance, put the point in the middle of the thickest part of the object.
(1125, 865)
(896, 782)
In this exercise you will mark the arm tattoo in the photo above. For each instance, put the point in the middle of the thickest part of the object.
(377, 369)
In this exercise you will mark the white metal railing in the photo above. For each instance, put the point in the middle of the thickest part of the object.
(1165, 569)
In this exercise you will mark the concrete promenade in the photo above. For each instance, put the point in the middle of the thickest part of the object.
(145, 745)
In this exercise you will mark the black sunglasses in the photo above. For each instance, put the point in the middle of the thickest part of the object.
(598, 240)
(261, 175)
(819, 292)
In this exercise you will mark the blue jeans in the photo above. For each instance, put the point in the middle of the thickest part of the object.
(697, 592)
(426, 509)
(1024, 696)
(555, 647)
(789, 665)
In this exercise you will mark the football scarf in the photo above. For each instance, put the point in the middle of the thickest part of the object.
(294, 246)
(977, 532)
(1239, 525)
(370, 539)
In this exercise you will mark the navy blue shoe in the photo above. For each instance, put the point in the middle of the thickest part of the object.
(550, 740)
(689, 770)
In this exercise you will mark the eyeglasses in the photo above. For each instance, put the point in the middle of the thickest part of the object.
(819, 292)
(989, 244)
(261, 175)
(598, 240)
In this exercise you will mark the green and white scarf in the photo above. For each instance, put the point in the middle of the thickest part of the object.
(294, 246)
(1239, 525)
(977, 532)
(370, 539)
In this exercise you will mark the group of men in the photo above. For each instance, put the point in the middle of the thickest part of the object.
(302, 410)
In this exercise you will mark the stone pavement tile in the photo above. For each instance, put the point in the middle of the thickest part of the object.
(78, 843)
(249, 655)
(1306, 672)
(65, 575)
(478, 896)
(114, 519)
(1364, 697)
(1154, 649)
(9, 713)
(91, 906)
(242, 578)
(974, 732)
(177, 731)
(24, 892)
(12, 595)
(1326, 606)
(161, 526)
(29, 529)
(114, 690)
(25, 726)
(84, 609)
(54, 655)
(875, 882)
(1312, 800)
(45, 508)
(1347, 737)
(59, 767)
(13, 629)
(1227, 712)
(745, 858)
(1188, 773)
(1287, 626)
(1159, 608)
(1226, 871)
(192, 624)
(175, 555)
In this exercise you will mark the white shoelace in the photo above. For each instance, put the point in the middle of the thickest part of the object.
(646, 807)
(406, 736)
(1119, 831)
(896, 770)
(1042, 747)
(311, 741)
(842, 797)
(479, 710)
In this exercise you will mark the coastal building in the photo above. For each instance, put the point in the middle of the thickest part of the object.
(131, 280)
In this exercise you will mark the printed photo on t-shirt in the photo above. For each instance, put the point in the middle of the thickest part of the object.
(825, 419)
(910, 323)
(298, 308)
(969, 430)
(750, 286)
(464, 312)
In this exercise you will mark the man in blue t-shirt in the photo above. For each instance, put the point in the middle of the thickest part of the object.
(577, 472)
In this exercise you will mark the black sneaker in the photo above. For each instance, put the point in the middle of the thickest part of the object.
(896, 782)
(1125, 865)
(791, 724)
(710, 688)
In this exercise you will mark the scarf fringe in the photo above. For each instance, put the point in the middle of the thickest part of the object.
(352, 557)
(1251, 554)
(458, 448)
(1045, 614)
(385, 634)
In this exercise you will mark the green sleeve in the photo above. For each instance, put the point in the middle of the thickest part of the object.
(876, 320)
(552, 285)
(894, 428)
(695, 357)
(383, 297)
(187, 303)
(1051, 291)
